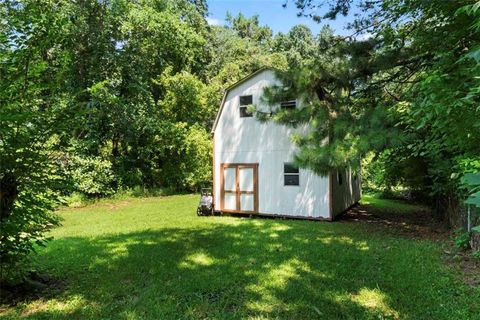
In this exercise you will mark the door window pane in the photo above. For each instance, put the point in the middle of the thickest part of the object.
(230, 202)
(246, 179)
(229, 177)
(246, 202)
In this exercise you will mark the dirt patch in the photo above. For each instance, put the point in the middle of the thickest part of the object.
(35, 286)
(475, 241)
(420, 224)
(464, 263)
(117, 205)
(103, 204)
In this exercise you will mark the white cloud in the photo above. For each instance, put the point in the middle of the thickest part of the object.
(365, 36)
(213, 21)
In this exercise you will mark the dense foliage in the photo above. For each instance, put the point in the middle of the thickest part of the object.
(33, 117)
(100, 96)
(472, 181)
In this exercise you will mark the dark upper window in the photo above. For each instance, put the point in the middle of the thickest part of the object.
(340, 178)
(291, 175)
(245, 101)
(288, 104)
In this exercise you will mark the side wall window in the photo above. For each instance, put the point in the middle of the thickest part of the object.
(340, 178)
(245, 101)
(288, 104)
(291, 175)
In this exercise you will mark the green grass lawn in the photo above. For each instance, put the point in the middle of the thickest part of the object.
(390, 205)
(153, 258)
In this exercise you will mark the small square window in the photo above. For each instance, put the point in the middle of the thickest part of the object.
(244, 112)
(291, 175)
(290, 168)
(288, 105)
(291, 180)
(245, 101)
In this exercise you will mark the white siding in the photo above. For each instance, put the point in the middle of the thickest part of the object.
(346, 194)
(247, 140)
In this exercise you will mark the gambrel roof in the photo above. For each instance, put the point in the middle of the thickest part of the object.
(225, 93)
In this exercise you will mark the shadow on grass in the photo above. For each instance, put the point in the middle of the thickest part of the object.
(413, 222)
(254, 268)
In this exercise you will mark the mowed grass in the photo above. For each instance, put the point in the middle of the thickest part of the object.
(153, 258)
(391, 205)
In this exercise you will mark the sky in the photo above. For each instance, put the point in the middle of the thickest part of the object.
(270, 13)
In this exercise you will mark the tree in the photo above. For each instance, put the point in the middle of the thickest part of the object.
(93, 99)
(298, 45)
(326, 86)
(249, 28)
(33, 118)
(399, 91)
(185, 99)
(124, 98)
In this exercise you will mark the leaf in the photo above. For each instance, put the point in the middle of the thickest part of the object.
(471, 179)
(474, 199)
(475, 55)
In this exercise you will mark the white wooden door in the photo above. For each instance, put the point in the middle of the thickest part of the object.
(230, 188)
(246, 188)
(239, 188)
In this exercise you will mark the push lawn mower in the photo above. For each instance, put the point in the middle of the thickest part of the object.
(205, 206)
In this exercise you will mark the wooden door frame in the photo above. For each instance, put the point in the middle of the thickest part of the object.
(238, 192)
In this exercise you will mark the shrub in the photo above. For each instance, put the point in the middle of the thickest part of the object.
(25, 228)
(462, 239)
(476, 254)
(92, 176)
(75, 200)
(198, 158)
(187, 165)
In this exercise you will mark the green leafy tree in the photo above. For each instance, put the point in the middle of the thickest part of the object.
(298, 45)
(120, 84)
(249, 28)
(185, 99)
(80, 95)
(33, 118)
(92, 176)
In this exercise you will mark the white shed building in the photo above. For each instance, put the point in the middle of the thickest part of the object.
(252, 162)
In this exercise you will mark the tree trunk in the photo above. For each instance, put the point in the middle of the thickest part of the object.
(447, 208)
(475, 241)
(8, 195)
(115, 152)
